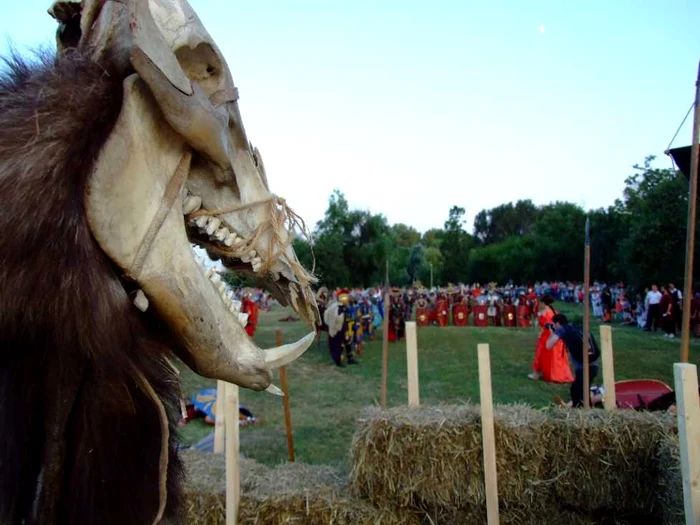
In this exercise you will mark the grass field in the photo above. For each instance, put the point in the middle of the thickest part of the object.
(326, 400)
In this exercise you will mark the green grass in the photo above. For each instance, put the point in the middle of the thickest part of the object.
(326, 400)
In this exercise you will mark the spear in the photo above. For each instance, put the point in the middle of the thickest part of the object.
(586, 314)
(385, 337)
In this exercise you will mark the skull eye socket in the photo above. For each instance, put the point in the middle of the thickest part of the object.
(203, 66)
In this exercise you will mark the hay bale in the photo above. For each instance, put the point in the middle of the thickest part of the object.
(602, 460)
(292, 493)
(432, 458)
(670, 491)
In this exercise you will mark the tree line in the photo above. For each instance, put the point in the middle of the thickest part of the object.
(638, 240)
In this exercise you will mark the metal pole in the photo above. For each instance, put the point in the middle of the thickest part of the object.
(690, 236)
(586, 316)
(385, 337)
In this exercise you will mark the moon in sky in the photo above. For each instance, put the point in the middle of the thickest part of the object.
(541, 28)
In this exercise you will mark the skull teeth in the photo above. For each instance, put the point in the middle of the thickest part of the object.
(221, 234)
(213, 225)
(230, 239)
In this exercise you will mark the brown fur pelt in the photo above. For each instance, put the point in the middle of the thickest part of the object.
(80, 438)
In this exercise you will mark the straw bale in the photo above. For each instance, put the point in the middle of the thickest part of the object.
(670, 491)
(605, 460)
(431, 458)
(291, 493)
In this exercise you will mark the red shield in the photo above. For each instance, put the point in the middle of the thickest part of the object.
(460, 314)
(509, 315)
(442, 313)
(523, 316)
(422, 317)
(480, 315)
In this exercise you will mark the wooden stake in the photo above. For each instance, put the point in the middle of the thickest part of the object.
(412, 364)
(285, 402)
(688, 407)
(586, 317)
(385, 338)
(609, 400)
(233, 482)
(690, 232)
(219, 427)
(488, 435)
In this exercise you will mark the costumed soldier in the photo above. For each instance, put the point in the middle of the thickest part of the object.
(397, 322)
(422, 311)
(250, 307)
(509, 313)
(366, 314)
(357, 328)
(339, 324)
(322, 301)
(494, 306)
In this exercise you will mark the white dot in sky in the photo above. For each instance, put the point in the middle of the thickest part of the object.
(541, 28)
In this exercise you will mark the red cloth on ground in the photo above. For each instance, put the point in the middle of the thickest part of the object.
(552, 364)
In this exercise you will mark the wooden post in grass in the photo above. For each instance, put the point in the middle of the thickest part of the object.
(688, 409)
(233, 481)
(412, 364)
(285, 402)
(586, 315)
(609, 399)
(219, 427)
(385, 337)
(690, 231)
(487, 434)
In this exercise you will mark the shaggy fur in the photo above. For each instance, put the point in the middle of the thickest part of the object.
(79, 437)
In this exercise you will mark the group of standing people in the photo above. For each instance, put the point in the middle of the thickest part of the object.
(664, 309)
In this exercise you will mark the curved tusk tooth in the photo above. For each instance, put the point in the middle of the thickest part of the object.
(282, 355)
(191, 204)
(213, 225)
(272, 389)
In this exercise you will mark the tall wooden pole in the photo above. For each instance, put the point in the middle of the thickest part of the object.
(219, 428)
(690, 235)
(488, 434)
(385, 337)
(233, 481)
(686, 383)
(285, 402)
(586, 315)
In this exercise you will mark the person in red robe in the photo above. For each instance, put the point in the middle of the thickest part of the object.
(550, 365)
(250, 307)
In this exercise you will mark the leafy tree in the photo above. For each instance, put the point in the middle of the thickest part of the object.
(416, 262)
(432, 238)
(655, 205)
(455, 247)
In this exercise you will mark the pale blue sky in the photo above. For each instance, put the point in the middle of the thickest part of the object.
(412, 107)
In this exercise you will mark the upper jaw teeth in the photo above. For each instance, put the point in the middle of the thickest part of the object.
(221, 234)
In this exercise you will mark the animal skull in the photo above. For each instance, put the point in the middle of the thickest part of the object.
(178, 169)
